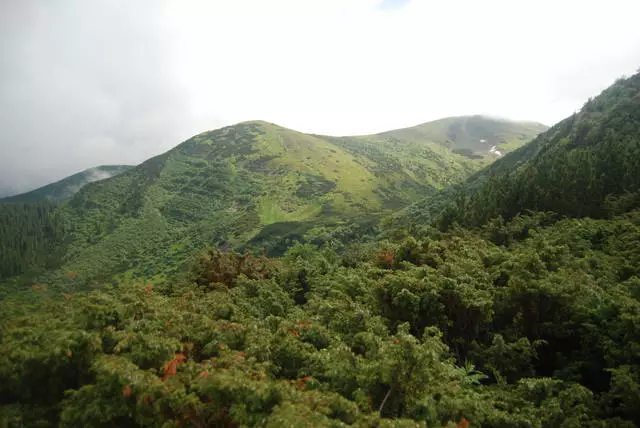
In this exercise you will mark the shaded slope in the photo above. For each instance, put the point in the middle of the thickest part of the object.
(67, 187)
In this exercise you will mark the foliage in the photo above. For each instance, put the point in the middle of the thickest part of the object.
(584, 166)
(490, 316)
(496, 328)
(218, 267)
(31, 237)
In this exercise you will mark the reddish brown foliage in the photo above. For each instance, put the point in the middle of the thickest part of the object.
(463, 423)
(39, 287)
(302, 382)
(385, 259)
(232, 326)
(148, 288)
(304, 325)
(294, 332)
(71, 275)
(171, 367)
(225, 267)
(127, 391)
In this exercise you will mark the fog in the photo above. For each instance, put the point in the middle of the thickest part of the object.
(91, 82)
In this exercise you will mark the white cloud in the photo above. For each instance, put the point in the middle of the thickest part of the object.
(345, 67)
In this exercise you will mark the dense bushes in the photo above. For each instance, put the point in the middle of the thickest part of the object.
(521, 323)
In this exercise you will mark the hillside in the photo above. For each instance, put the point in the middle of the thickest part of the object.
(67, 187)
(462, 330)
(510, 320)
(253, 184)
(472, 136)
(583, 166)
(31, 238)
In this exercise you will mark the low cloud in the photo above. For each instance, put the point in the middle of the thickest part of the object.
(393, 4)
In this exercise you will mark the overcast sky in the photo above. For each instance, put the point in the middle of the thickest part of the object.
(89, 82)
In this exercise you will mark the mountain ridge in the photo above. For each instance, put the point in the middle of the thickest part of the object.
(65, 188)
(251, 184)
(462, 132)
(56, 192)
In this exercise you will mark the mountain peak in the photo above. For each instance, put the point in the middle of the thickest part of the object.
(475, 135)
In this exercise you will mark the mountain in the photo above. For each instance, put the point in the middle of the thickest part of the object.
(472, 136)
(511, 318)
(69, 186)
(584, 166)
(257, 184)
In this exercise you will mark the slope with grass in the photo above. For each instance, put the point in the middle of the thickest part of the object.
(253, 184)
(472, 135)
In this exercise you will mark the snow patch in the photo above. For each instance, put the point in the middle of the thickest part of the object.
(495, 151)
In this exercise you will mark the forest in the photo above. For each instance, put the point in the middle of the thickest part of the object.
(29, 237)
(510, 300)
(526, 323)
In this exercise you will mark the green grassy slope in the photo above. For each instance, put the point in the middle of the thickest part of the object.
(436, 154)
(253, 184)
(472, 135)
(67, 187)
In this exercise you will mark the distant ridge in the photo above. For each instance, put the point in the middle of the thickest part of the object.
(478, 134)
(67, 187)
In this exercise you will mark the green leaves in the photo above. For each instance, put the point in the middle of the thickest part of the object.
(31, 237)
(535, 330)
